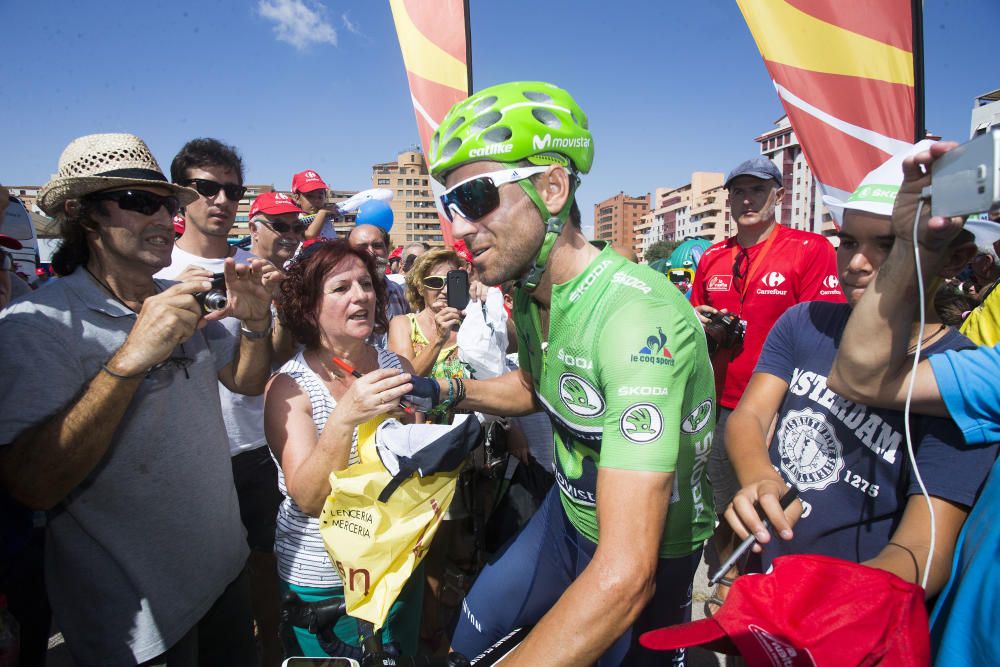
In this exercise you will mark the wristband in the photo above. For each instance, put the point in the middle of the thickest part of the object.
(256, 335)
(444, 405)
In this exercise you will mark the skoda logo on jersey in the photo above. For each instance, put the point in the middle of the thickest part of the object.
(699, 418)
(772, 279)
(831, 282)
(580, 396)
(641, 423)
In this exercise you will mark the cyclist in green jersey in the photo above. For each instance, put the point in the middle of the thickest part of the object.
(616, 357)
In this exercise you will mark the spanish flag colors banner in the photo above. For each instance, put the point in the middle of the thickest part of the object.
(845, 73)
(434, 39)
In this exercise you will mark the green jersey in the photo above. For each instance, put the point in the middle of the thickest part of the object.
(628, 384)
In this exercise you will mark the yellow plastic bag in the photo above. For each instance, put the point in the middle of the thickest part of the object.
(376, 546)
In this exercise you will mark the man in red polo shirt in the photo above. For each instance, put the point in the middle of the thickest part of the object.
(752, 277)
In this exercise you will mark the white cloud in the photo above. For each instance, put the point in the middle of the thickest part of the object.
(350, 25)
(298, 22)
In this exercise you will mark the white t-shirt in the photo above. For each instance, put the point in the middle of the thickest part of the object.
(244, 415)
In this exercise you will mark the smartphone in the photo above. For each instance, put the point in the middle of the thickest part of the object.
(966, 180)
(320, 662)
(458, 289)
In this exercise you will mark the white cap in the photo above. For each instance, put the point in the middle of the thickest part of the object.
(877, 191)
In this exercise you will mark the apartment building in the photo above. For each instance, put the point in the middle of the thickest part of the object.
(617, 218)
(698, 209)
(415, 216)
(802, 206)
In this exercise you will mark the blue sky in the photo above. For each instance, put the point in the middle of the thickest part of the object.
(670, 87)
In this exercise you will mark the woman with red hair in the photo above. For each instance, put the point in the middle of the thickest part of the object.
(331, 302)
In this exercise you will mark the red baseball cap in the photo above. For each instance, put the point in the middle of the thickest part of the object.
(307, 181)
(10, 242)
(273, 203)
(812, 610)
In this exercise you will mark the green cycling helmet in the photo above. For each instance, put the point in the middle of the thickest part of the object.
(521, 120)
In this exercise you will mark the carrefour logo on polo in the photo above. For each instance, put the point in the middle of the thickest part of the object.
(772, 279)
(547, 142)
(493, 149)
(831, 282)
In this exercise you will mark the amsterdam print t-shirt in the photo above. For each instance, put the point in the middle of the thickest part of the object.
(849, 461)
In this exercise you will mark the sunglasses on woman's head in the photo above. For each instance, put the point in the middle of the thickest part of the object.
(207, 188)
(477, 197)
(434, 282)
(140, 201)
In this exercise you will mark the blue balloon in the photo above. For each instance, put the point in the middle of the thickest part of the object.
(375, 212)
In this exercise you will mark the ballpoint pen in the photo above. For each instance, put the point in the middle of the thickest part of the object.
(786, 500)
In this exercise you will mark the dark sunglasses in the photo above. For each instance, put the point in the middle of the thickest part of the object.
(283, 227)
(479, 196)
(207, 188)
(140, 201)
(434, 282)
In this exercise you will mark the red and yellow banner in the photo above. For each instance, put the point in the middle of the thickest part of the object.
(844, 70)
(434, 39)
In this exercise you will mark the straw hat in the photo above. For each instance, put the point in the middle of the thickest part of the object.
(103, 162)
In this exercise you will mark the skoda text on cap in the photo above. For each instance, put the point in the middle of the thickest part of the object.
(878, 189)
(812, 610)
(273, 203)
(758, 167)
(307, 181)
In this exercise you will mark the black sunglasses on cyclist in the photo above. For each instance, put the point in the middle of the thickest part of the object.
(283, 227)
(477, 197)
(207, 188)
(434, 282)
(140, 201)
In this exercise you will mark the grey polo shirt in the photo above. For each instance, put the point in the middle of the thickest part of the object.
(140, 550)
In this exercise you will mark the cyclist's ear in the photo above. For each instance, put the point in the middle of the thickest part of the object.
(554, 187)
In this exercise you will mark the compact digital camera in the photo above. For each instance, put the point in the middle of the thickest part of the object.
(215, 298)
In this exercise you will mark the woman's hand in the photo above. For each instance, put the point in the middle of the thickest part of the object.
(765, 493)
(373, 394)
(446, 320)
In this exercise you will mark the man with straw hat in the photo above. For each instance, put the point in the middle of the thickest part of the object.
(115, 428)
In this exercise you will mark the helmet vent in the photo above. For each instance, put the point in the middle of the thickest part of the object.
(454, 126)
(434, 142)
(497, 135)
(484, 104)
(546, 117)
(450, 147)
(486, 120)
(535, 96)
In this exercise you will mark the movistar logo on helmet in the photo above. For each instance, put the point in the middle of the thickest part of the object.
(492, 149)
(547, 142)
